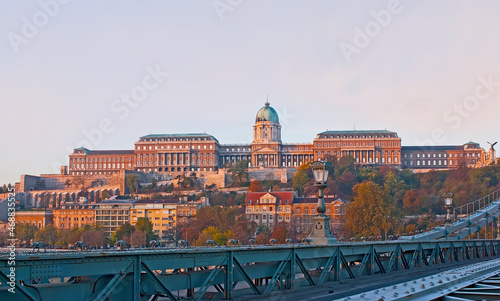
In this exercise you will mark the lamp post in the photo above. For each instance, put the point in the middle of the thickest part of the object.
(448, 201)
(321, 234)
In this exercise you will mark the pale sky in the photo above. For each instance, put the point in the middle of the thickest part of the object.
(416, 68)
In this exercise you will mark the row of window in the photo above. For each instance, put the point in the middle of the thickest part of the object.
(169, 211)
(88, 219)
(179, 146)
(73, 212)
(476, 155)
(357, 144)
(78, 173)
(235, 150)
(100, 159)
(100, 166)
(112, 212)
(436, 162)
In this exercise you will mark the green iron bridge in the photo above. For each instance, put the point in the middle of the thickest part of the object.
(239, 271)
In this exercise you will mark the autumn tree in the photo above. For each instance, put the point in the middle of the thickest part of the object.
(410, 228)
(138, 238)
(262, 238)
(411, 200)
(280, 233)
(370, 212)
(302, 177)
(243, 229)
(4, 235)
(222, 218)
(215, 234)
(255, 186)
(94, 238)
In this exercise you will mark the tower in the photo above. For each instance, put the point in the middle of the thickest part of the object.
(266, 144)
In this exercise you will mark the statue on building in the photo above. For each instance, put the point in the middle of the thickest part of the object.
(492, 153)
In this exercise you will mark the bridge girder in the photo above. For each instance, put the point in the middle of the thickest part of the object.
(138, 275)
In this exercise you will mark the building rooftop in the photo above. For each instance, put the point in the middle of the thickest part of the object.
(267, 113)
(162, 201)
(254, 197)
(359, 132)
(186, 135)
(117, 201)
(103, 152)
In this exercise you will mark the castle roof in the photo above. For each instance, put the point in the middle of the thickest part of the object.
(267, 113)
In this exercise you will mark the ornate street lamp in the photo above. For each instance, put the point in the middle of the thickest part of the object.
(321, 234)
(320, 177)
(448, 202)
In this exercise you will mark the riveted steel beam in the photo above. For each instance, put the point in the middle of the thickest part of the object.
(276, 275)
(19, 288)
(114, 282)
(247, 279)
(304, 270)
(157, 281)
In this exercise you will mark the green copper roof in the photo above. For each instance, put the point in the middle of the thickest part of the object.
(267, 113)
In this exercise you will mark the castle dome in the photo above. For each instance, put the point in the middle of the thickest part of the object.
(267, 113)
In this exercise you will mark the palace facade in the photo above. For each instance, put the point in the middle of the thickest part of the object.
(173, 153)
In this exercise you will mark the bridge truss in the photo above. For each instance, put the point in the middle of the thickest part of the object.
(223, 272)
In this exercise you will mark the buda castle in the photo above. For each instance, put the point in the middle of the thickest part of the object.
(176, 153)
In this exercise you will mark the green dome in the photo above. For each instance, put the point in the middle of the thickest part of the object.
(267, 113)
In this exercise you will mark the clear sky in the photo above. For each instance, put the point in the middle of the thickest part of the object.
(118, 70)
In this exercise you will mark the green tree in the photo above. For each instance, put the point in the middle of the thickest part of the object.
(342, 165)
(123, 232)
(25, 232)
(144, 224)
(238, 171)
(132, 183)
(47, 235)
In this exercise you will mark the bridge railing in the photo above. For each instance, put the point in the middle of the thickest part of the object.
(473, 207)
